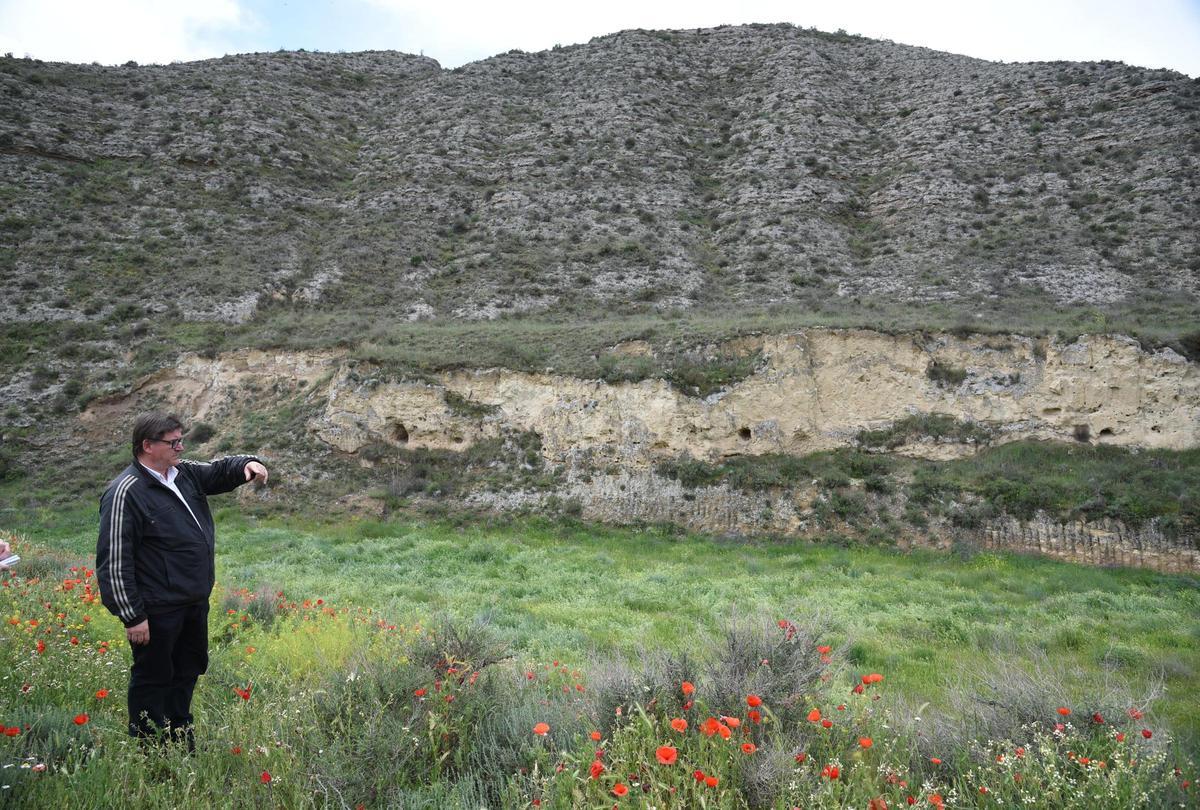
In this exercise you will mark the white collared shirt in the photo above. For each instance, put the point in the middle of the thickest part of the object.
(169, 483)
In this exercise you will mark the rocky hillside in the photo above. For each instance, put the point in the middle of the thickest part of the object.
(664, 170)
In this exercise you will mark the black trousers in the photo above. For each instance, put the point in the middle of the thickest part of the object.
(165, 670)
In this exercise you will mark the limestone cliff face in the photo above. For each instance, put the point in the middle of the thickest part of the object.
(198, 388)
(815, 390)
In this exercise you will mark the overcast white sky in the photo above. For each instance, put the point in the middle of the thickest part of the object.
(1151, 33)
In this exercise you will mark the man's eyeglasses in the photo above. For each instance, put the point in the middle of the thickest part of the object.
(176, 444)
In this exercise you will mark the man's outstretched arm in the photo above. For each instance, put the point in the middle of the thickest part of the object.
(226, 474)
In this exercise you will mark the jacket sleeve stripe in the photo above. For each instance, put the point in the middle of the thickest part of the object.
(116, 541)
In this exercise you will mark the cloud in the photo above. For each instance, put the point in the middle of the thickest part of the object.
(116, 31)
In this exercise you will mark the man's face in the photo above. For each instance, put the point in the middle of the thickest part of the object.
(164, 452)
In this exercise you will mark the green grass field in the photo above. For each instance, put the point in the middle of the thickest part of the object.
(569, 590)
(350, 669)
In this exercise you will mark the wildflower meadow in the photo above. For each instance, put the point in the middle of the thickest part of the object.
(313, 703)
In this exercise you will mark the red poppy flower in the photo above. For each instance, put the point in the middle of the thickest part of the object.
(824, 649)
(666, 755)
(596, 736)
(1098, 718)
(597, 768)
(1147, 733)
(814, 716)
(698, 775)
(858, 689)
(1120, 736)
(755, 716)
(1135, 714)
(865, 742)
(619, 789)
(801, 757)
(41, 646)
(935, 760)
(687, 687)
(419, 692)
(266, 777)
(753, 701)
(541, 729)
(724, 731)
(101, 694)
(749, 748)
(709, 727)
(244, 694)
(679, 724)
(11, 731)
(711, 781)
(732, 722)
(80, 719)
(237, 749)
(1064, 711)
(830, 772)
(878, 803)
(827, 724)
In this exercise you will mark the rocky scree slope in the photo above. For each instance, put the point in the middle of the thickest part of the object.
(737, 166)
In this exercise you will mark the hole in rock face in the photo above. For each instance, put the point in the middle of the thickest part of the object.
(1082, 433)
(400, 433)
(744, 434)
(1106, 432)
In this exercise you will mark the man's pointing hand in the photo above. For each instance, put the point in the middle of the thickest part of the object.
(256, 471)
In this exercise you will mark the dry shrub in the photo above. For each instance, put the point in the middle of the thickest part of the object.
(779, 664)
(451, 643)
(998, 700)
(751, 656)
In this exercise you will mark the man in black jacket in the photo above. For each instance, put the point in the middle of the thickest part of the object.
(156, 567)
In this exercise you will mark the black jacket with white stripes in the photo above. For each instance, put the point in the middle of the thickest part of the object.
(151, 552)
